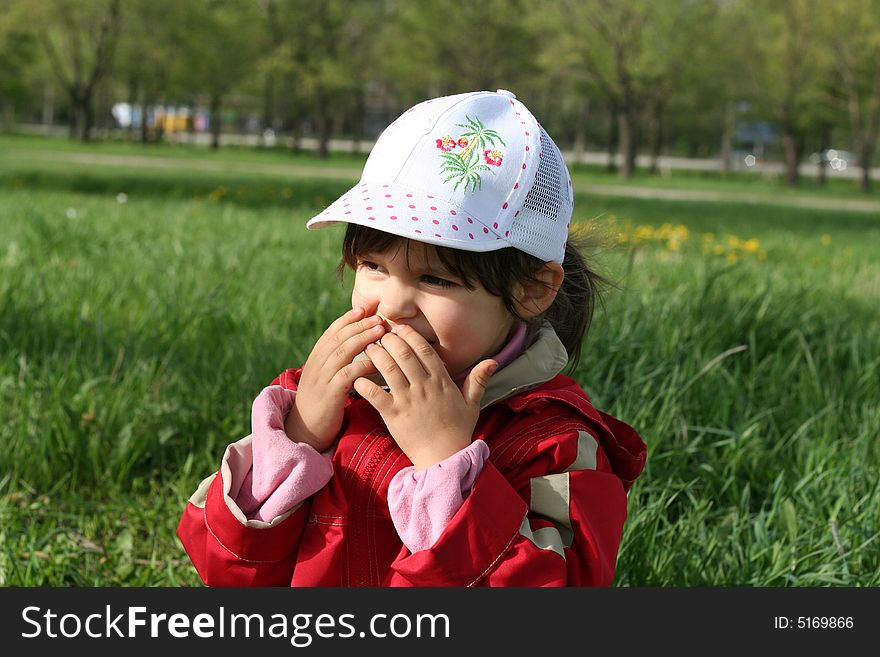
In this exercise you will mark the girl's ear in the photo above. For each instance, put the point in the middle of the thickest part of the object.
(534, 297)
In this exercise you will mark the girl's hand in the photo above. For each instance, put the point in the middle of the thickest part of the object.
(426, 413)
(328, 377)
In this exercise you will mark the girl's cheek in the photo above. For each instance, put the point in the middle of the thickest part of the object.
(365, 300)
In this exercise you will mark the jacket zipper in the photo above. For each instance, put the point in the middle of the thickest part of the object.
(361, 544)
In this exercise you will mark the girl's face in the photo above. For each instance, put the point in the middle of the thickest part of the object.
(464, 326)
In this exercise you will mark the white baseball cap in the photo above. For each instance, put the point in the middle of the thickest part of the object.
(473, 171)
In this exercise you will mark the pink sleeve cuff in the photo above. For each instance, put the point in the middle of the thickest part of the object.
(423, 502)
(284, 472)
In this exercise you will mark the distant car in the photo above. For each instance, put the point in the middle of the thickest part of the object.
(836, 159)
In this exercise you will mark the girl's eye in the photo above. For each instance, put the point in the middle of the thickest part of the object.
(436, 282)
(372, 266)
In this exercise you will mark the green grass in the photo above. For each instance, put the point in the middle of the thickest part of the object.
(33, 154)
(134, 336)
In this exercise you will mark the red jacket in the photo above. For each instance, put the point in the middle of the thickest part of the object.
(547, 509)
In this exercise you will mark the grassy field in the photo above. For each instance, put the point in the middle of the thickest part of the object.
(143, 308)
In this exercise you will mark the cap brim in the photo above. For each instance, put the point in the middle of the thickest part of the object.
(412, 214)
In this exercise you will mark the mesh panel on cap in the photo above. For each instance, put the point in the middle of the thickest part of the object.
(543, 220)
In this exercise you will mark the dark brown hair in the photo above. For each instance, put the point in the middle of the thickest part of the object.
(498, 272)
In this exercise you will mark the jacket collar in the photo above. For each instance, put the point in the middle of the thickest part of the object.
(540, 362)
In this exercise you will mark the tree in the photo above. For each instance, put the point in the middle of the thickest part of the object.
(16, 52)
(223, 39)
(325, 60)
(855, 42)
(615, 44)
(79, 38)
(787, 45)
(149, 52)
(440, 47)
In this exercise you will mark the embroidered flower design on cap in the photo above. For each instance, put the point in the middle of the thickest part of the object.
(465, 166)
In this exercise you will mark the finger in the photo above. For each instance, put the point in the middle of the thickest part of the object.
(387, 366)
(341, 348)
(351, 316)
(345, 378)
(475, 385)
(427, 355)
(339, 331)
(404, 356)
(375, 396)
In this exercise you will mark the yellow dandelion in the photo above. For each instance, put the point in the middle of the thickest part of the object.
(718, 250)
(708, 237)
(643, 233)
(751, 246)
(825, 239)
(732, 257)
(217, 194)
(621, 238)
(733, 241)
(673, 245)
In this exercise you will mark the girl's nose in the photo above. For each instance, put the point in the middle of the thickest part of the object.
(397, 303)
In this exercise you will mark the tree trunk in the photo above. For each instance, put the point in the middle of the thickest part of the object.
(613, 138)
(627, 124)
(145, 134)
(216, 122)
(865, 158)
(791, 153)
(727, 129)
(358, 120)
(132, 99)
(656, 135)
(268, 106)
(323, 124)
(81, 115)
(48, 105)
(824, 144)
(580, 131)
(7, 122)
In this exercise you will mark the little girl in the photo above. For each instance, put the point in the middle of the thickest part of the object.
(430, 439)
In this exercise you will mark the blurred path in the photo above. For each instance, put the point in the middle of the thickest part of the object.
(352, 174)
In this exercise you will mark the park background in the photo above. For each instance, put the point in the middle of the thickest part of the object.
(159, 159)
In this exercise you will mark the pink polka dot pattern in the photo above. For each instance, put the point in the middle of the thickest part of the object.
(445, 220)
